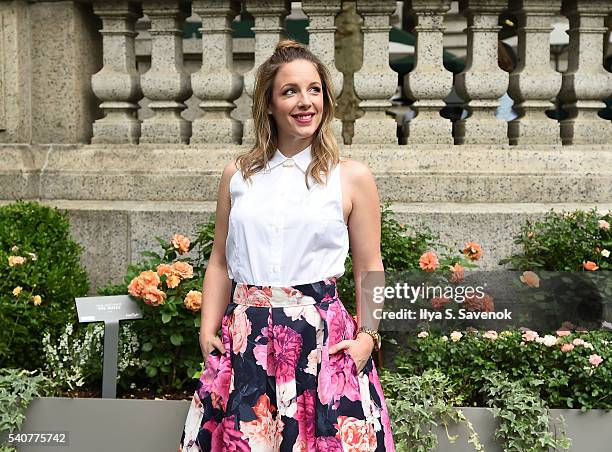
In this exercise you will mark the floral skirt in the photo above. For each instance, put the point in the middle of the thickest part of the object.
(277, 388)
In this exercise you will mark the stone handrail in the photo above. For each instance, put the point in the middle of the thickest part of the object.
(130, 103)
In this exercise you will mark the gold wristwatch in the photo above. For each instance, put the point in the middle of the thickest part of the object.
(375, 335)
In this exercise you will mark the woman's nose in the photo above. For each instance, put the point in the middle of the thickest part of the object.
(303, 99)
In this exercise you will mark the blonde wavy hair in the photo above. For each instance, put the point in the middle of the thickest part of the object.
(325, 152)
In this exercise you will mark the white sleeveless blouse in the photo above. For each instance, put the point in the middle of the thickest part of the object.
(282, 234)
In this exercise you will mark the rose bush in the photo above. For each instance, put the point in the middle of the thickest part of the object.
(168, 287)
(573, 368)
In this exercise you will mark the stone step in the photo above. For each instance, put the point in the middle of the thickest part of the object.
(114, 233)
(426, 174)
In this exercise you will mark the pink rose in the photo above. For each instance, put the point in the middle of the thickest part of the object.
(287, 349)
(562, 333)
(567, 348)
(578, 341)
(329, 444)
(15, 260)
(356, 435)
(595, 360)
(529, 336)
(603, 224)
(252, 296)
(491, 334)
(226, 438)
(241, 329)
(304, 415)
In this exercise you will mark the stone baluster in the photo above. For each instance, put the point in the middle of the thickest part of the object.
(586, 82)
(216, 84)
(166, 84)
(269, 16)
(117, 84)
(534, 82)
(429, 82)
(321, 14)
(482, 82)
(375, 82)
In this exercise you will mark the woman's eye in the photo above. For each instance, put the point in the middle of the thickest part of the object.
(291, 90)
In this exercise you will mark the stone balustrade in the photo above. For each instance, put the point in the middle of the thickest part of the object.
(147, 102)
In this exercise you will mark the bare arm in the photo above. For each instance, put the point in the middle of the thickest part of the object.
(364, 237)
(217, 285)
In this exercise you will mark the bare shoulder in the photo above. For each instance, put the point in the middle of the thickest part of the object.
(356, 172)
(230, 168)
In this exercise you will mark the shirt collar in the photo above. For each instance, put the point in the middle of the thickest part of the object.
(302, 159)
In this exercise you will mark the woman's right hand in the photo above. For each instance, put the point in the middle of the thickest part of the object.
(209, 342)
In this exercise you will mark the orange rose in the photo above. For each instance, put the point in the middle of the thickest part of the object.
(530, 279)
(173, 281)
(181, 243)
(439, 302)
(153, 296)
(472, 250)
(146, 279)
(164, 269)
(487, 303)
(182, 269)
(429, 262)
(457, 273)
(193, 300)
(590, 266)
(135, 288)
(149, 278)
(483, 303)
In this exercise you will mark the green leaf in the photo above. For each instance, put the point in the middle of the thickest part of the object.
(176, 339)
(166, 317)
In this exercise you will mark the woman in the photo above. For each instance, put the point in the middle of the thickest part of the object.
(292, 371)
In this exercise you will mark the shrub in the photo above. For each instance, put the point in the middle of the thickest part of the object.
(419, 403)
(567, 374)
(167, 287)
(564, 241)
(401, 248)
(42, 274)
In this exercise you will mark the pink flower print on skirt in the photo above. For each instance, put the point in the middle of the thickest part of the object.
(277, 388)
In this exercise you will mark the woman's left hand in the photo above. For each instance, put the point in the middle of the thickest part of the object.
(359, 349)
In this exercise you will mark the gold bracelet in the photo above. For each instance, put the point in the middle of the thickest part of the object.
(375, 335)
